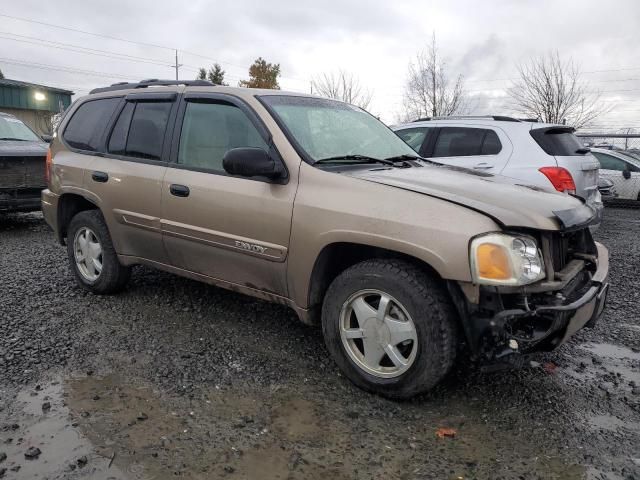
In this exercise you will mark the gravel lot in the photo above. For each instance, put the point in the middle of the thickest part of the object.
(174, 378)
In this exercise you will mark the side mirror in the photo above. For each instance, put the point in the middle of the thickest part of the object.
(46, 138)
(252, 162)
(626, 173)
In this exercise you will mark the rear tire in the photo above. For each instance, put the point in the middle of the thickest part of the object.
(410, 298)
(92, 258)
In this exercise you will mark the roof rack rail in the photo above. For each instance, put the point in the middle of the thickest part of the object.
(532, 120)
(151, 82)
(498, 118)
(423, 119)
(503, 118)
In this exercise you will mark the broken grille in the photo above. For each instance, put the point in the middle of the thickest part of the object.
(22, 172)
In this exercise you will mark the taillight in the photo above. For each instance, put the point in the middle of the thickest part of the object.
(560, 178)
(48, 167)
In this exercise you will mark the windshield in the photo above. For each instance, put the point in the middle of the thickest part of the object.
(326, 128)
(13, 129)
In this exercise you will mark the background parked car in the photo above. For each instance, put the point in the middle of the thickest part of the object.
(537, 153)
(622, 169)
(607, 189)
(22, 166)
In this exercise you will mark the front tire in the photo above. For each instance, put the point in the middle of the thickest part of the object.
(92, 258)
(390, 327)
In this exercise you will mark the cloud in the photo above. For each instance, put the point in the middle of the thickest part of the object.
(375, 40)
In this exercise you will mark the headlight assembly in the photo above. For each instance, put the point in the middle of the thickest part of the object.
(502, 259)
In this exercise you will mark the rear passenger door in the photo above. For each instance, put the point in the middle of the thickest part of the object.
(483, 149)
(234, 229)
(128, 177)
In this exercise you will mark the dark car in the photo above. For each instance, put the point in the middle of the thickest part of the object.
(22, 166)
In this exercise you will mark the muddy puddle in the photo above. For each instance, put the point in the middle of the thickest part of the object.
(607, 366)
(129, 430)
(44, 422)
(609, 350)
(103, 427)
(612, 423)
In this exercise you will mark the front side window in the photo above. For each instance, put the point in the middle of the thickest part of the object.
(209, 130)
(327, 128)
(609, 162)
(464, 142)
(85, 130)
(13, 129)
(415, 137)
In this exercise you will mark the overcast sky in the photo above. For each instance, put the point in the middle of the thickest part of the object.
(375, 40)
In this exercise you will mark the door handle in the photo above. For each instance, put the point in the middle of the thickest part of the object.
(482, 166)
(179, 190)
(100, 177)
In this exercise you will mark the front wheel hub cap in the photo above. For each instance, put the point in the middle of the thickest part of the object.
(378, 333)
(87, 252)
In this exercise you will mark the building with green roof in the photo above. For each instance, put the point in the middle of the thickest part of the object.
(36, 105)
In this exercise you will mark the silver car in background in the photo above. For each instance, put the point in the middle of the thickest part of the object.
(622, 169)
(541, 154)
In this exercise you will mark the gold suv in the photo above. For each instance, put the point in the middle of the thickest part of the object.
(315, 204)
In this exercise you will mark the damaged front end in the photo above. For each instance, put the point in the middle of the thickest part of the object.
(502, 322)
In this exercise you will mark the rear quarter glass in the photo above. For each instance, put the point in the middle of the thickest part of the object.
(559, 141)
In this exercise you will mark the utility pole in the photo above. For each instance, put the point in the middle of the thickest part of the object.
(177, 65)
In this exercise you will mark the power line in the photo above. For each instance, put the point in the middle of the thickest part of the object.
(22, 19)
(61, 68)
(134, 42)
(79, 49)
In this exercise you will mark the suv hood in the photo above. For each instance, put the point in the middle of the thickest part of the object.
(14, 148)
(508, 202)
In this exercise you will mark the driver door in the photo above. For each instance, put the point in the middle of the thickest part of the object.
(231, 228)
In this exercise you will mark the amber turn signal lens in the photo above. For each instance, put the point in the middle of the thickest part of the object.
(493, 262)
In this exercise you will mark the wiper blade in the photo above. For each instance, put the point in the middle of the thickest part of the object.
(399, 158)
(355, 159)
(14, 139)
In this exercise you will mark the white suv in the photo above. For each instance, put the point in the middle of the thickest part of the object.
(539, 154)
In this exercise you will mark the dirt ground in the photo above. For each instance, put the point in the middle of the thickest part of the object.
(176, 379)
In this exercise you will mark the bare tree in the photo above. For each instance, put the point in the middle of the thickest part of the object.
(551, 90)
(429, 92)
(342, 86)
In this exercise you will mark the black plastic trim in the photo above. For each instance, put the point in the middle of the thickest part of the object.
(151, 83)
(152, 97)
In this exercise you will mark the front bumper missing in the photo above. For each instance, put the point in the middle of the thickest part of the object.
(552, 321)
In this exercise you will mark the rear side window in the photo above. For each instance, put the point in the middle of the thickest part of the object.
(559, 141)
(118, 141)
(464, 142)
(139, 131)
(209, 130)
(491, 144)
(415, 137)
(86, 127)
